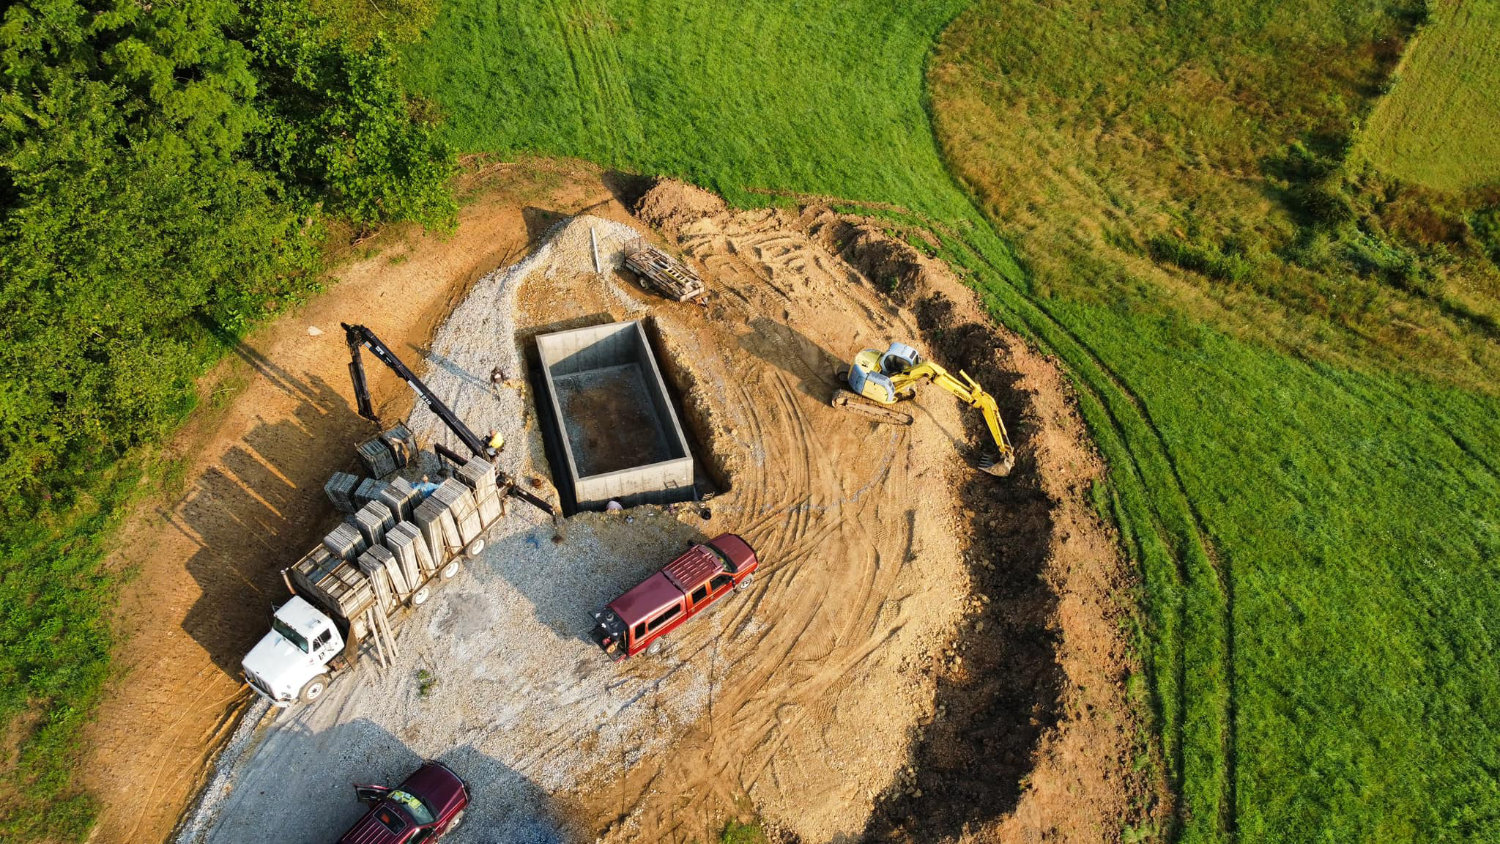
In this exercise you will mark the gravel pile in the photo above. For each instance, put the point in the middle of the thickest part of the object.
(496, 675)
(479, 338)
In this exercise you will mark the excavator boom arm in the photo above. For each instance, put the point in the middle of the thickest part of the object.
(967, 390)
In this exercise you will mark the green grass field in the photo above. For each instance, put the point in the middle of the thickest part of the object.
(1437, 126)
(800, 96)
(1304, 457)
(1307, 481)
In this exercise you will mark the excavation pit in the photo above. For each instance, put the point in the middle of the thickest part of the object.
(612, 425)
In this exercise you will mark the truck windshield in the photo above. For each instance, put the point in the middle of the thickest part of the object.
(723, 558)
(288, 633)
(413, 804)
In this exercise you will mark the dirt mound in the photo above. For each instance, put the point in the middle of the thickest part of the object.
(895, 267)
(670, 204)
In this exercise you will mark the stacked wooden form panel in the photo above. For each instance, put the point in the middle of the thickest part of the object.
(368, 490)
(377, 457)
(439, 530)
(340, 490)
(479, 476)
(669, 276)
(460, 503)
(330, 581)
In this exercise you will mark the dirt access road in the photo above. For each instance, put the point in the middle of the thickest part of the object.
(835, 699)
(205, 560)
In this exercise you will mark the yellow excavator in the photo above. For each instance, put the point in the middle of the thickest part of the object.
(879, 379)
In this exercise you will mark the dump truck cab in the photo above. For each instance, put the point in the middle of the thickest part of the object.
(290, 663)
(703, 574)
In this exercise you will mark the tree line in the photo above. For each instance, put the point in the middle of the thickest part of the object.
(168, 172)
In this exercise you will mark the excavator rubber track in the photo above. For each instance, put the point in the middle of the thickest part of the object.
(849, 401)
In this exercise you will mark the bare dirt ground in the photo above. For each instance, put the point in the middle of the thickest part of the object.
(929, 654)
(205, 560)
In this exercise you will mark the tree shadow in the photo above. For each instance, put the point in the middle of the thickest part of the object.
(258, 508)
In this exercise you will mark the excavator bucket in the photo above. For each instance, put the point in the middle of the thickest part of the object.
(997, 466)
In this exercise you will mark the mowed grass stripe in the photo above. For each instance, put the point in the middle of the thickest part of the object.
(1440, 124)
(818, 98)
(1358, 703)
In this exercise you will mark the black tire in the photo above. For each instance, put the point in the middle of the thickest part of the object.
(745, 582)
(313, 689)
(453, 824)
(475, 548)
(450, 570)
(655, 648)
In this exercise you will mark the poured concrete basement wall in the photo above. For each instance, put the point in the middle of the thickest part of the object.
(612, 419)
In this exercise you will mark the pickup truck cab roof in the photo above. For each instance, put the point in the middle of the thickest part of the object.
(696, 566)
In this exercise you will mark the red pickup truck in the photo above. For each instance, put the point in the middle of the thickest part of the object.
(706, 572)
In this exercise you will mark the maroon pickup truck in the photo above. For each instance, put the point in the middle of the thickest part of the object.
(423, 807)
(637, 620)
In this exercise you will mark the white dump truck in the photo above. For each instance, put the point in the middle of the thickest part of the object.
(353, 589)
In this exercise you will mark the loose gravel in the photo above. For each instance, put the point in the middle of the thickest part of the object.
(496, 676)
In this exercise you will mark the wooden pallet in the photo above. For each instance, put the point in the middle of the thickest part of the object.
(661, 271)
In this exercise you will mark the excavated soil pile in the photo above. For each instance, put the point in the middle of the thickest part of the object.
(1038, 740)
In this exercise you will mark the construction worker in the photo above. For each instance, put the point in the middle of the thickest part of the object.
(496, 442)
(426, 487)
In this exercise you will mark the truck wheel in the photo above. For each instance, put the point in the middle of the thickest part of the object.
(453, 824)
(475, 548)
(745, 583)
(314, 689)
(420, 597)
(450, 570)
(655, 648)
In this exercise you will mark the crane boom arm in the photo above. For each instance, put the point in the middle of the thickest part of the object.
(968, 391)
(357, 336)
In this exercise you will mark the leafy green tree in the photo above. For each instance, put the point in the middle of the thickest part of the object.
(164, 168)
(340, 128)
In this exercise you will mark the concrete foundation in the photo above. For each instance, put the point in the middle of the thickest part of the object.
(611, 419)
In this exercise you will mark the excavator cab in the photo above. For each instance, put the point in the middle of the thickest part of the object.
(870, 376)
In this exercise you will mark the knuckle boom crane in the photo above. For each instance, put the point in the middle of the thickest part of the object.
(358, 336)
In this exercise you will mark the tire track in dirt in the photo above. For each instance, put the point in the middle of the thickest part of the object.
(812, 720)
